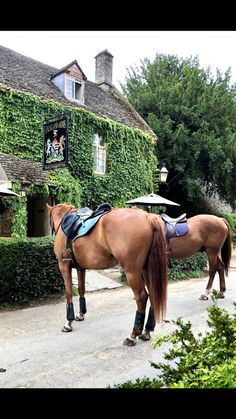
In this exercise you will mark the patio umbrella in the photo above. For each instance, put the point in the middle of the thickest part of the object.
(152, 199)
(7, 192)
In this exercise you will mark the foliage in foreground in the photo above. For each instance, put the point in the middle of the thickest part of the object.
(205, 361)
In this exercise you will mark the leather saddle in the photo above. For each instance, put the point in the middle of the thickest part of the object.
(72, 222)
(175, 227)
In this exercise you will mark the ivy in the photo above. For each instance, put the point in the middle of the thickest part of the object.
(19, 222)
(131, 160)
(18, 205)
(66, 188)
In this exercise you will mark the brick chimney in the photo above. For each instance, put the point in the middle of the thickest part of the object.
(103, 69)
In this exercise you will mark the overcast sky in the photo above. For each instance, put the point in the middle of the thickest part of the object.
(214, 48)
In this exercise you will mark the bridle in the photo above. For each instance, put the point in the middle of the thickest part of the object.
(55, 231)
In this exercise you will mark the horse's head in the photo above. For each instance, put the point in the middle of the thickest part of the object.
(57, 212)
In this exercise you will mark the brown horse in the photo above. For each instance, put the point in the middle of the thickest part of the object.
(129, 237)
(212, 234)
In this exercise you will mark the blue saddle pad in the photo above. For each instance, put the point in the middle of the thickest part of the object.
(181, 229)
(78, 223)
(176, 229)
(87, 226)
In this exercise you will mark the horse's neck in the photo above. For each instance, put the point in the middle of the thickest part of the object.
(58, 217)
(60, 243)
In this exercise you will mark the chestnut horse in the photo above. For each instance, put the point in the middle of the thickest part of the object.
(129, 237)
(209, 233)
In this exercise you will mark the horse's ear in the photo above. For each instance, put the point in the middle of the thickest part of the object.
(48, 207)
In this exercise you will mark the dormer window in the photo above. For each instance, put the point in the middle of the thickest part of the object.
(70, 80)
(73, 88)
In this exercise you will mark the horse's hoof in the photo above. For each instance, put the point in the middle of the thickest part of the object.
(129, 342)
(66, 329)
(79, 318)
(203, 297)
(145, 336)
(220, 295)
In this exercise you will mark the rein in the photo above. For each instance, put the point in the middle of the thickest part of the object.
(55, 231)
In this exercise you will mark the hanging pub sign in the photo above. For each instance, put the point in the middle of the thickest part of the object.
(55, 143)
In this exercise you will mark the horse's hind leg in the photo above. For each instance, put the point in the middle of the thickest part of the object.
(212, 259)
(136, 283)
(149, 326)
(220, 267)
(81, 291)
(151, 322)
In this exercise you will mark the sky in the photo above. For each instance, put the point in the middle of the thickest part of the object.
(215, 49)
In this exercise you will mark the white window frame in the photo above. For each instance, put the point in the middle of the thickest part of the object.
(74, 82)
(99, 155)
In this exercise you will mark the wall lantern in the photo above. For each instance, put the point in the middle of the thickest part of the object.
(163, 173)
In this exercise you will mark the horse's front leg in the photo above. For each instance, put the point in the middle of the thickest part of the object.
(81, 291)
(65, 268)
(137, 284)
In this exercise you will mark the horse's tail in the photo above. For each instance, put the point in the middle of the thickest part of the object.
(157, 269)
(226, 250)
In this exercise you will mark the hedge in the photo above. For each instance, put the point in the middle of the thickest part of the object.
(187, 268)
(28, 270)
(183, 268)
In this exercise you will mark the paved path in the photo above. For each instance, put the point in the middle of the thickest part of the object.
(95, 281)
(36, 354)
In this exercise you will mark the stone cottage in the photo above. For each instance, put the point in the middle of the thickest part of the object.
(66, 139)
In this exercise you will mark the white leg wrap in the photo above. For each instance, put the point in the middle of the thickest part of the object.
(131, 338)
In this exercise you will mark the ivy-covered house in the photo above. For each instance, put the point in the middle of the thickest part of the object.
(66, 139)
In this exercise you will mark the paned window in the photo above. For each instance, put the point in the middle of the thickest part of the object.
(99, 155)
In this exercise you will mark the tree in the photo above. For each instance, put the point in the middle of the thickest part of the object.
(194, 118)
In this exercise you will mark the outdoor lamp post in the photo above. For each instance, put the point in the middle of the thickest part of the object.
(163, 173)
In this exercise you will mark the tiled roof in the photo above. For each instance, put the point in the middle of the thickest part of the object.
(26, 171)
(28, 75)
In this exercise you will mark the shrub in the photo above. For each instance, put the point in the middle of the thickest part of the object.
(207, 361)
(184, 268)
(187, 268)
(28, 270)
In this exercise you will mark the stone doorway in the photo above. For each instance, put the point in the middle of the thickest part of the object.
(38, 223)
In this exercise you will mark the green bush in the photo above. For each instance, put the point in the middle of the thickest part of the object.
(28, 270)
(184, 268)
(207, 361)
(187, 268)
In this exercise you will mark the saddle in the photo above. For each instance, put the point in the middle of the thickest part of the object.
(79, 223)
(175, 227)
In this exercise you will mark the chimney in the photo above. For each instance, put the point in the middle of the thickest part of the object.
(103, 69)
